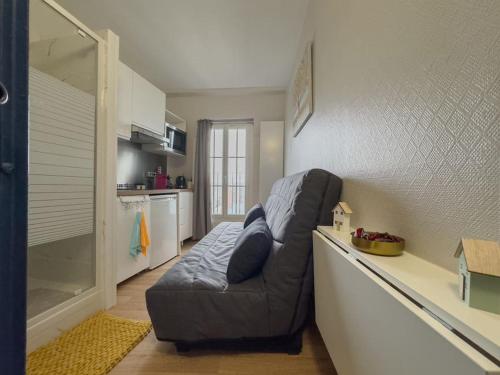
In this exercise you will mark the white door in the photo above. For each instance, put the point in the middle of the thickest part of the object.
(230, 156)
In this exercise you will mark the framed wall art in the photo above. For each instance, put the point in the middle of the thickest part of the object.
(302, 91)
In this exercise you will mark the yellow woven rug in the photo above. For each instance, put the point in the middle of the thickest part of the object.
(93, 347)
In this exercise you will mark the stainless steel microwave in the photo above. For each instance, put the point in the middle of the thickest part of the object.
(173, 142)
(176, 139)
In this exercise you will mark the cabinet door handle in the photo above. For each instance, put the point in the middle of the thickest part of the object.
(4, 94)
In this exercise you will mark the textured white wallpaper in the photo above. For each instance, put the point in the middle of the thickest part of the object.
(407, 103)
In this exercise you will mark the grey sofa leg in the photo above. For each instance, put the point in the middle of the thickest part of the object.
(182, 347)
(294, 346)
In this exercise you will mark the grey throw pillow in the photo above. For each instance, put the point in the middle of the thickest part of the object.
(250, 251)
(254, 213)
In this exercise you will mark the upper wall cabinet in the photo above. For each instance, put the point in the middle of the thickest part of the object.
(124, 101)
(139, 103)
(148, 105)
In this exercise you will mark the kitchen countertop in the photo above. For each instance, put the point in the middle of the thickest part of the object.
(122, 193)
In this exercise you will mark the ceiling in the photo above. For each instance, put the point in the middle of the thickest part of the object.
(192, 45)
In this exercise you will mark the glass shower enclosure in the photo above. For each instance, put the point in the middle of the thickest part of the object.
(62, 160)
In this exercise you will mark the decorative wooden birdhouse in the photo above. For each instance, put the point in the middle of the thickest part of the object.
(342, 217)
(479, 274)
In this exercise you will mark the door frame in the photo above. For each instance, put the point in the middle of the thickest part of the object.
(13, 184)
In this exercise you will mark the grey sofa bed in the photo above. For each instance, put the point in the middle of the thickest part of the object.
(193, 302)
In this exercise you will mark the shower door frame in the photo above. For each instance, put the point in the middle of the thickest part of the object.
(50, 323)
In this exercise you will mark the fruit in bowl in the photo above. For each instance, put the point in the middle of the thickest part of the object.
(376, 236)
(379, 243)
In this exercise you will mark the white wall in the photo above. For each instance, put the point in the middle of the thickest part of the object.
(271, 156)
(265, 106)
(407, 103)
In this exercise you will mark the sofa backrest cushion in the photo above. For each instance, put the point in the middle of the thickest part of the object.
(254, 213)
(296, 205)
(250, 251)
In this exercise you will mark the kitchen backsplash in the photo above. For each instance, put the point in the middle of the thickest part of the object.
(132, 162)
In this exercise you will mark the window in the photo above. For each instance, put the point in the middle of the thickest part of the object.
(228, 167)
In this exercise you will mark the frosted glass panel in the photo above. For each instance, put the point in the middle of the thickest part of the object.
(217, 143)
(232, 142)
(236, 171)
(216, 170)
(241, 172)
(242, 139)
(61, 199)
(61, 121)
(231, 171)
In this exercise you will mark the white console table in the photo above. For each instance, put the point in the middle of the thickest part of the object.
(397, 315)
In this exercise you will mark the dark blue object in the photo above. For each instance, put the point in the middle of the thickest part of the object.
(250, 251)
(13, 183)
(254, 213)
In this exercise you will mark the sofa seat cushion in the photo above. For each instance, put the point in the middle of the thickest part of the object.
(205, 265)
(250, 251)
(193, 301)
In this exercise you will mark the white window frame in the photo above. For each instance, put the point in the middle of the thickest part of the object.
(248, 165)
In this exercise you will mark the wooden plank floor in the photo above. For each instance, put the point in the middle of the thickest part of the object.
(154, 357)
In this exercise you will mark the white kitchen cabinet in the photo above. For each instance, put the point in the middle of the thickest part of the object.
(125, 76)
(185, 215)
(384, 315)
(174, 120)
(126, 209)
(148, 105)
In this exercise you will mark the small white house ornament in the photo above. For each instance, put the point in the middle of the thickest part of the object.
(342, 217)
(479, 274)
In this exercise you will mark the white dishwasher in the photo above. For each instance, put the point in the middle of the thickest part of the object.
(163, 229)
